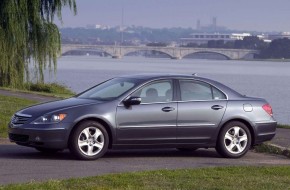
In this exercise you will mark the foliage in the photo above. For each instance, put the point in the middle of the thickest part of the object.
(28, 34)
(111, 36)
(283, 126)
(278, 49)
(249, 42)
(52, 88)
(157, 44)
(206, 178)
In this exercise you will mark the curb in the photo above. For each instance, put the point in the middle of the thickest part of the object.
(273, 149)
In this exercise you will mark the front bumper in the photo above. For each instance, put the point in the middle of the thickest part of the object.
(46, 136)
(265, 131)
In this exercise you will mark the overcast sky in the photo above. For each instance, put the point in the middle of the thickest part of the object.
(258, 15)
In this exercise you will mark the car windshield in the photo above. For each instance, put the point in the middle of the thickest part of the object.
(110, 90)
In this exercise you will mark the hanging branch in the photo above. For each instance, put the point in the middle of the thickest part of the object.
(27, 33)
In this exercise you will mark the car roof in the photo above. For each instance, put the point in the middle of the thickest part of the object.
(150, 76)
(231, 94)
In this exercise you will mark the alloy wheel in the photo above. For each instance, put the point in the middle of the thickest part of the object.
(91, 141)
(236, 140)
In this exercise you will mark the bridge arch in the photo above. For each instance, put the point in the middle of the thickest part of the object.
(66, 50)
(250, 55)
(207, 52)
(172, 52)
(147, 50)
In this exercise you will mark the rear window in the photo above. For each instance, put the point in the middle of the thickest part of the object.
(196, 90)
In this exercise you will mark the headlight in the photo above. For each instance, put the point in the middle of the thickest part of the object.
(48, 119)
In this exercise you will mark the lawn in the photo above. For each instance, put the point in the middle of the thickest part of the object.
(8, 106)
(206, 178)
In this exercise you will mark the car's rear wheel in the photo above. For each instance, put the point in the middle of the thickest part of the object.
(89, 141)
(234, 140)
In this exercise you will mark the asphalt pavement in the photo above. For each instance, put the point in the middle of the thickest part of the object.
(22, 164)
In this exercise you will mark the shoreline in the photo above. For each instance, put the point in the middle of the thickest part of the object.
(270, 60)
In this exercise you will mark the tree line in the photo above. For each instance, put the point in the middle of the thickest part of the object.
(276, 49)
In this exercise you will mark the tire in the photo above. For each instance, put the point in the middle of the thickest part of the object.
(187, 149)
(89, 141)
(47, 150)
(234, 140)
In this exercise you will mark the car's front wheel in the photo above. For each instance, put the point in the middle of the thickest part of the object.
(89, 141)
(234, 140)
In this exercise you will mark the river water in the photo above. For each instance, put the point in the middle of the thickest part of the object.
(270, 80)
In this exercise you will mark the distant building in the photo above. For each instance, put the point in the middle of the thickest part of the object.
(279, 36)
(198, 25)
(213, 27)
(214, 23)
(203, 38)
(264, 37)
(98, 26)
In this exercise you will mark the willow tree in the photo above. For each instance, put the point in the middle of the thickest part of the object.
(28, 35)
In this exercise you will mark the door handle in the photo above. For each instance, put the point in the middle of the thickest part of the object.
(217, 107)
(168, 109)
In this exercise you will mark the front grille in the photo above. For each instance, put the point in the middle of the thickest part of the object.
(19, 119)
(18, 138)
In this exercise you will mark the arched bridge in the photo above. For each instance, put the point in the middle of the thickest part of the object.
(173, 52)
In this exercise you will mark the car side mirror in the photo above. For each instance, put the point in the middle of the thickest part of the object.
(132, 101)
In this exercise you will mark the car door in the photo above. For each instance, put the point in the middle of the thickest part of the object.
(200, 110)
(151, 122)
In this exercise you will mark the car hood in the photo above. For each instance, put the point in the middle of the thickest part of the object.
(48, 107)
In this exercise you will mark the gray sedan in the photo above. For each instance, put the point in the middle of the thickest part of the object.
(147, 111)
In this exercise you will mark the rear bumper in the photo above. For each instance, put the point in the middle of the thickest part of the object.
(48, 137)
(265, 131)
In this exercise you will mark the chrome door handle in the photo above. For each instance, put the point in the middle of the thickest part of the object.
(217, 107)
(168, 109)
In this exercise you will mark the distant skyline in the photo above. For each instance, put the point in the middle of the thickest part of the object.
(248, 15)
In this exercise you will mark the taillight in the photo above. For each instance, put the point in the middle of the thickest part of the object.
(268, 109)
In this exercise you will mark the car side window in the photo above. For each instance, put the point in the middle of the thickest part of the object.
(195, 90)
(217, 94)
(160, 91)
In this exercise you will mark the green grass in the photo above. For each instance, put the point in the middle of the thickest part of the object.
(8, 106)
(50, 88)
(47, 89)
(206, 178)
(272, 149)
(268, 149)
(283, 126)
